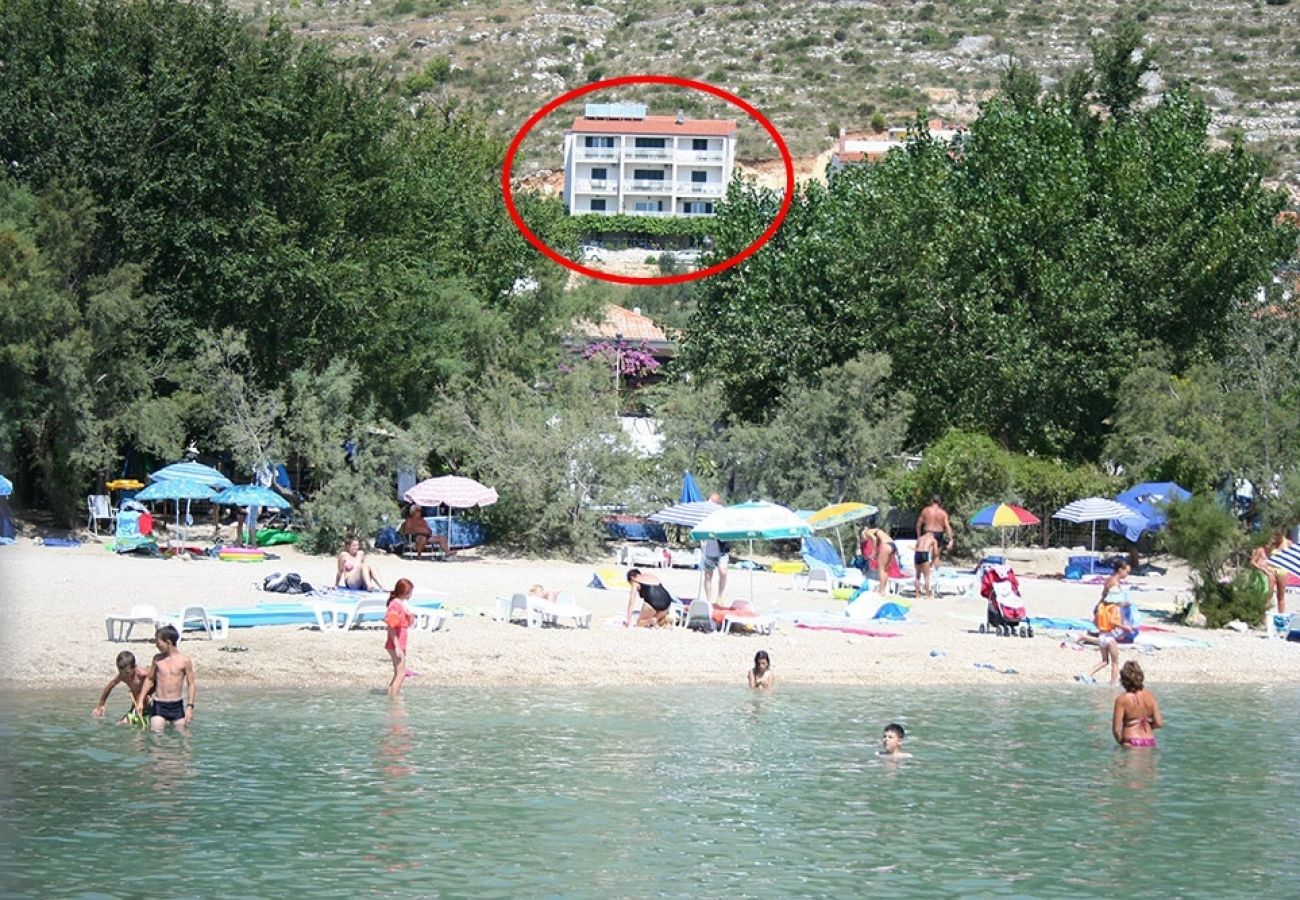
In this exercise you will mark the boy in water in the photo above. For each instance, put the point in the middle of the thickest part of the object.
(891, 742)
(170, 675)
(129, 674)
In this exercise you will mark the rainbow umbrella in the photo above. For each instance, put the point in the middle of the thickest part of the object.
(838, 514)
(1003, 516)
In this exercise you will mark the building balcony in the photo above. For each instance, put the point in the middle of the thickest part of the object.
(652, 187)
(606, 154)
(596, 185)
(632, 211)
(701, 188)
(701, 156)
(648, 153)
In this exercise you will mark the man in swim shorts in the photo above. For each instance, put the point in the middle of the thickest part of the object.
(171, 679)
(934, 521)
(927, 548)
(714, 556)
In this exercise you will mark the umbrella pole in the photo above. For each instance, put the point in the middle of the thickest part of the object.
(751, 571)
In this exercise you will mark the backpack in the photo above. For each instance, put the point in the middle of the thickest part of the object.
(290, 583)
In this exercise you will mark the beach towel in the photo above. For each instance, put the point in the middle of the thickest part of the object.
(60, 542)
(848, 629)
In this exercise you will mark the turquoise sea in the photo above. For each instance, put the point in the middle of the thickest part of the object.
(651, 791)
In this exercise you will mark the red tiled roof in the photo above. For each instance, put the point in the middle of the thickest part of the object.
(618, 320)
(657, 125)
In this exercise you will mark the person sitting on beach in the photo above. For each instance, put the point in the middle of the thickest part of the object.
(761, 676)
(891, 742)
(354, 570)
(397, 621)
(170, 678)
(1274, 579)
(878, 545)
(129, 674)
(1137, 714)
(416, 526)
(655, 599)
(542, 593)
(927, 550)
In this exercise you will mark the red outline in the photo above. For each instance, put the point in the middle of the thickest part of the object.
(647, 79)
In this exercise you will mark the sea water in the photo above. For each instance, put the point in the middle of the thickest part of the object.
(650, 791)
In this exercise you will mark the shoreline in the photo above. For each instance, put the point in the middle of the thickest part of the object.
(56, 599)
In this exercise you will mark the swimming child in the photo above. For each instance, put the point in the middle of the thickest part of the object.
(891, 742)
(761, 676)
(129, 674)
(171, 678)
(1137, 714)
(398, 620)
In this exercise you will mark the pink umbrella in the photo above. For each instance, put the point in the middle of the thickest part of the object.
(451, 491)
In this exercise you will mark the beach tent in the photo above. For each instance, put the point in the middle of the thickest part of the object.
(1149, 500)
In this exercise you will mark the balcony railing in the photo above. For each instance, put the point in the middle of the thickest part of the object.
(652, 187)
(633, 211)
(596, 185)
(602, 153)
(704, 156)
(701, 188)
(648, 153)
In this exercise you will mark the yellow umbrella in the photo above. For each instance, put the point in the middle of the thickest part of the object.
(840, 514)
(124, 484)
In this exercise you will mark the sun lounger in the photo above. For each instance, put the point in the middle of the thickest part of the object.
(742, 615)
(119, 626)
(565, 606)
(196, 618)
(336, 615)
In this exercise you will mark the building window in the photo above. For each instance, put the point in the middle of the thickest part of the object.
(698, 207)
(650, 143)
(648, 174)
(598, 204)
(699, 177)
(599, 174)
(700, 144)
(648, 206)
(606, 142)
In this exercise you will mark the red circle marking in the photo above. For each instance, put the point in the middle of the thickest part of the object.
(546, 110)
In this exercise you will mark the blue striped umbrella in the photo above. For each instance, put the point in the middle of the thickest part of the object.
(177, 489)
(6, 486)
(251, 495)
(192, 471)
(1288, 559)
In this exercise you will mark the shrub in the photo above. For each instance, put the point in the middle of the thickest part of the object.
(1205, 534)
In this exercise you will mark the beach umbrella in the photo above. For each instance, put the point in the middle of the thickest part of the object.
(1003, 516)
(6, 486)
(1288, 559)
(838, 514)
(1149, 500)
(755, 521)
(124, 484)
(192, 471)
(689, 514)
(452, 491)
(690, 491)
(253, 497)
(177, 489)
(1094, 510)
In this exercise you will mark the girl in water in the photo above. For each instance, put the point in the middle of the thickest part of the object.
(655, 599)
(1137, 714)
(761, 676)
(354, 569)
(398, 619)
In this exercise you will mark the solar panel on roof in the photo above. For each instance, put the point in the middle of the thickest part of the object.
(615, 111)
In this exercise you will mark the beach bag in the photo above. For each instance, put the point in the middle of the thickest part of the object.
(290, 583)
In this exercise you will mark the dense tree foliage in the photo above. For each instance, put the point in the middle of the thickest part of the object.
(1013, 278)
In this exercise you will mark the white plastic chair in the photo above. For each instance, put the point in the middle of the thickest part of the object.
(99, 506)
(700, 612)
(215, 627)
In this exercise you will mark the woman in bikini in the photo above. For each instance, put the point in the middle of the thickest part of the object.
(877, 544)
(354, 570)
(1137, 714)
(655, 599)
(1274, 579)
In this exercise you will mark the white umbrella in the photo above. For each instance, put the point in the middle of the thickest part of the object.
(759, 521)
(452, 491)
(1094, 510)
(691, 514)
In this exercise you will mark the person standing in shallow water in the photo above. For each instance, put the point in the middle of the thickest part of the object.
(761, 676)
(1137, 714)
(397, 619)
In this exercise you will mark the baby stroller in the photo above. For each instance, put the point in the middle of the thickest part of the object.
(1006, 612)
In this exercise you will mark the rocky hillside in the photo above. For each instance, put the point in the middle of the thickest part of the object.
(813, 67)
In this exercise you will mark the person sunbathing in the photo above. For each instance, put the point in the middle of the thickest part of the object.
(542, 593)
(354, 570)
(415, 526)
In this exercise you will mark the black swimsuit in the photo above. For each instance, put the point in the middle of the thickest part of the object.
(656, 596)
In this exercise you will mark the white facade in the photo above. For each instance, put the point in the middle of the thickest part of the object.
(647, 166)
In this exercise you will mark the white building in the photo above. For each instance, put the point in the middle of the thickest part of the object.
(619, 160)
